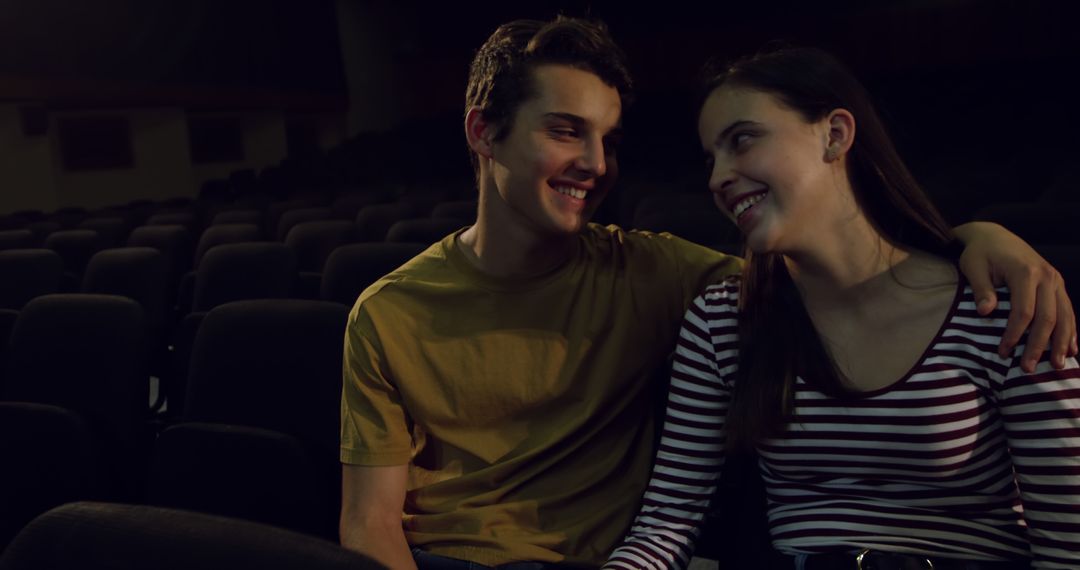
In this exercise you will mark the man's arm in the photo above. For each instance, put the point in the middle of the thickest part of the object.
(371, 503)
(992, 255)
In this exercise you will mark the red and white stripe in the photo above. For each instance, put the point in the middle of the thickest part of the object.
(967, 456)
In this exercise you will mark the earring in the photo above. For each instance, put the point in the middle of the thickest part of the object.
(830, 154)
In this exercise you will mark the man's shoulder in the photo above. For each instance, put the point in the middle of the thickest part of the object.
(662, 252)
(647, 242)
(427, 268)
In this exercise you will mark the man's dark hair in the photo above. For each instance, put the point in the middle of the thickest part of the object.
(501, 79)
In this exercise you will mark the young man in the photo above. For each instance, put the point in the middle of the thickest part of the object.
(500, 388)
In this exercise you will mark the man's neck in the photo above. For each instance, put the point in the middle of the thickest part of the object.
(502, 246)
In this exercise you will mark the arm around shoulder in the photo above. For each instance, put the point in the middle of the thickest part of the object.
(371, 505)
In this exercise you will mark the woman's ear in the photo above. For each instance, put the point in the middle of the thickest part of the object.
(478, 132)
(841, 134)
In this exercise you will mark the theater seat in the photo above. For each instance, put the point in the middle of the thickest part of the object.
(351, 268)
(17, 239)
(28, 273)
(112, 232)
(238, 217)
(372, 222)
(423, 230)
(95, 536)
(313, 242)
(49, 458)
(238, 271)
(221, 234)
(138, 273)
(85, 353)
(75, 247)
(291, 218)
(273, 364)
(464, 210)
(244, 472)
(173, 241)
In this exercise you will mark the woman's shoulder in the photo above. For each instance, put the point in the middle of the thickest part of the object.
(723, 294)
(966, 309)
(717, 305)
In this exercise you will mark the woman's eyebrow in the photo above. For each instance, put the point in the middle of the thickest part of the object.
(727, 131)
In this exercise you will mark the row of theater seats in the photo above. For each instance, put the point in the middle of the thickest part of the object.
(248, 405)
(312, 242)
(185, 234)
(256, 438)
(230, 272)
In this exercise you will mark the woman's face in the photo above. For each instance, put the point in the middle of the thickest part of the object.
(769, 168)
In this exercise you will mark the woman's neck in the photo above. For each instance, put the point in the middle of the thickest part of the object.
(855, 269)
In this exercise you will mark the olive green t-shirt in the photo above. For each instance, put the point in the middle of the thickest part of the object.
(525, 408)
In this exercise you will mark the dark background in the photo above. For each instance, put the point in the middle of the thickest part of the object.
(978, 94)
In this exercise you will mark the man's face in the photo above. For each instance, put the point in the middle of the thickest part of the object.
(558, 161)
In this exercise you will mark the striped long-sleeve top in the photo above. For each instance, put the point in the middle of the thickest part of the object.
(966, 456)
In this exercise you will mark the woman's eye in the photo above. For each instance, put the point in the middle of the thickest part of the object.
(739, 140)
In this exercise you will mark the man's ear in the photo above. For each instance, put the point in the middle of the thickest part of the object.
(479, 133)
(841, 134)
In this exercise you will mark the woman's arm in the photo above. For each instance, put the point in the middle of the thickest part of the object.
(1041, 413)
(690, 456)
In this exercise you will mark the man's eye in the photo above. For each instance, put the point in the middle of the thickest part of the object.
(564, 133)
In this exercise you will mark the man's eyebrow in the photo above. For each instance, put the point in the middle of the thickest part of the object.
(579, 121)
(569, 117)
(724, 133)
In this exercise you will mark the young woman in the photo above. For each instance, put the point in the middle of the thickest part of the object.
(851, 357)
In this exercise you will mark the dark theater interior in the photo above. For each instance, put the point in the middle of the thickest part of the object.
(193, 193)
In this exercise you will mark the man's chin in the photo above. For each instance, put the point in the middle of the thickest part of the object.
(569, 228)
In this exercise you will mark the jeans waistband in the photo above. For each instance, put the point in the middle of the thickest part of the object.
(428, 561)
(878, 560)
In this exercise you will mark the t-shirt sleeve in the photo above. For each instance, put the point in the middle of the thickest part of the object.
(374, 424)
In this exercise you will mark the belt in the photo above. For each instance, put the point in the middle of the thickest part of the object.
(877, 560)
